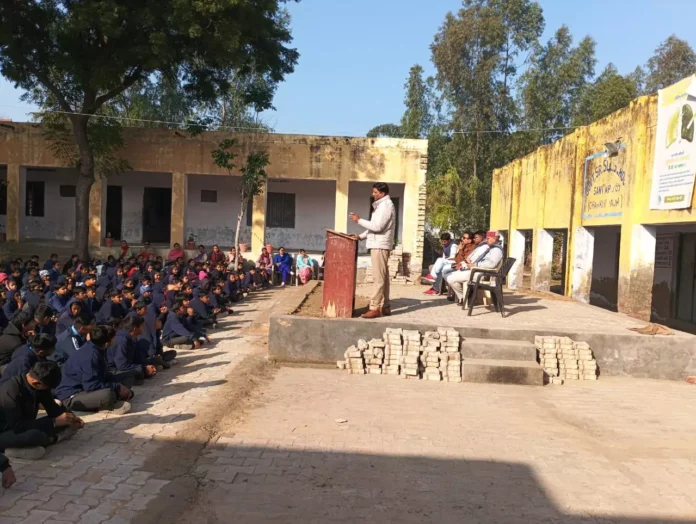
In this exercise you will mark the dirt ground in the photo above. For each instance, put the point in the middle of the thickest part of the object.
(312, 306)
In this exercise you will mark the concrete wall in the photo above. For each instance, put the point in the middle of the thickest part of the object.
(315, 203)
(546, 190)
(214, 223)
(316, 340)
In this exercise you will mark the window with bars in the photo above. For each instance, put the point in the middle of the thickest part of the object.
(249, 212)
(3, 198)
(35, 199)
(281, 210)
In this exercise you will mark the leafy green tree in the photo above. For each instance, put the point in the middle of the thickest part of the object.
(418, 117)
(253, 179)
(557, 76)
(609, 93)
(386, 131)
(674, 59)
(85, 53)
(476, 54)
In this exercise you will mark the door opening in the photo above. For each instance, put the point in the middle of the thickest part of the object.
(157, 215)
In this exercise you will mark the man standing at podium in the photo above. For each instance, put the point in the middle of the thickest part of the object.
(380, 241)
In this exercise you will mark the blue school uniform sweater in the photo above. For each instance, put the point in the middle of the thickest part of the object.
(87, 371)
(23, 359)
(176, 326)
(122, 355)
(67, 344)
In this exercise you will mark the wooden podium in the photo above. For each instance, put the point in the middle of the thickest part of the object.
(340, 268)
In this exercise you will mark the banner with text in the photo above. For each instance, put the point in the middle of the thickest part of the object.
(675, 151)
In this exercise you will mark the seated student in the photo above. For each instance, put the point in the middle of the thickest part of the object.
(176, 332)
(65, 321)
(37, 349)
(78, 295)
(283, 265)
(13, 303)
(128, 295)
(263, 276)
(74, 338)
(123, 355)
(59, 300)
(15, 334)
(204, 313)
(45, 320)
(219, 301)
(232, 288)
(111, 308)
(34, 295)
(48, 265)
(87, 384)
(22, 435)
(91, 301)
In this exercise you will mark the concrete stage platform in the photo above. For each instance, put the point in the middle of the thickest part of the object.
(618, 350)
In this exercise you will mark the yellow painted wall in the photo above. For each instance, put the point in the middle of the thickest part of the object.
(545, 190)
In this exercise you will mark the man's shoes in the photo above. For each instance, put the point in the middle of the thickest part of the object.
(386, 311)
(429, 278)
(430, 291)
(374, 313)
(120, 408)
(173, 362)
(31, 453)
(691, 380)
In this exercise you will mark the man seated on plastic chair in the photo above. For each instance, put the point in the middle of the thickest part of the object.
(486, 256)
(449, 253)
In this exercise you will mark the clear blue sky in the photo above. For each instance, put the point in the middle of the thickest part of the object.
(355, 55)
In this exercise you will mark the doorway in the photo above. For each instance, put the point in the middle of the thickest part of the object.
(604, 291)
(157, 215)
(114, 211)
(559, 261)
(686, 280)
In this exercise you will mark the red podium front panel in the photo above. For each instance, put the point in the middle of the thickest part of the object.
(340, 267)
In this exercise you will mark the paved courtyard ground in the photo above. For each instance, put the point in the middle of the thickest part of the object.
(225, 437)
(616, 450)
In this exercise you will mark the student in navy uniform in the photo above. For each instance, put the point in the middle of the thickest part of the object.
(87, 384)
(74, 338)
(22, 435)
(48, 265)
(12, 305)
(111, 308)
(204, 313)
(34, 296)
(67, 318)
(91, 301)
(44, 316)
(177, 331)
(15, 334)
(37, 349)
(124, 355)
(59, 300)
(79, 294)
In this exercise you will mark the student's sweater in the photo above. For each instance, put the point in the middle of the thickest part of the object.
(86, 370)
(122, 355)
(110, 309)
(58, 303)
(68, 343)
(65, 322)
(22, 360)
(176, 326)
(19, 405)
(202, 311)
(10, 340)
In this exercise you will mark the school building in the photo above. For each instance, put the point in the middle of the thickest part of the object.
(625, 223)
(175, 191)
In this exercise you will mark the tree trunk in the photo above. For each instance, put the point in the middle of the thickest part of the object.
(240, 216)
(85, 179)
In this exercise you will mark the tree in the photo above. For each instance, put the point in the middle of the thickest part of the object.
(418, 117)
(673, 60)
(475, 53)
(84, 54)
(386, 130)
(253, 179)
(556, 78)
(609, 93)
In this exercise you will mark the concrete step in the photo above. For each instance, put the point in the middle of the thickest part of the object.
(486, 348)
(495, 371)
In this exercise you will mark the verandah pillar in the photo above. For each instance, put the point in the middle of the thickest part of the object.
(179, 197)
(258, 223)
(15, 177)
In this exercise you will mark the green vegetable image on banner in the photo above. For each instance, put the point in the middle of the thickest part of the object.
(672, 129)
(687, 127)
